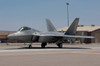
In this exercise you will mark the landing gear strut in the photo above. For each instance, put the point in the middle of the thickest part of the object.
(60, 45)
(30, 46)
(43, 45)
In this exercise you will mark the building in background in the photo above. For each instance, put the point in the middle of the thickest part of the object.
(86, 31)
(3, 36)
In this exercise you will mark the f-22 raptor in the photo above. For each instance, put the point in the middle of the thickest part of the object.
(30, 35)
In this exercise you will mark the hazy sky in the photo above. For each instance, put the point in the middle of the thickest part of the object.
(17, 13)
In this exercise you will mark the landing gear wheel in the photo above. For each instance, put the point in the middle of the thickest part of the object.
(30, 46)
(60, 45)
(43, 45)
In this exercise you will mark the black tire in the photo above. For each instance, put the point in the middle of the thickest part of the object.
(30, 46)
(43, 45)
(60, 45)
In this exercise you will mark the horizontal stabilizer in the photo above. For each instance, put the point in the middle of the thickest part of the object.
(75, 36)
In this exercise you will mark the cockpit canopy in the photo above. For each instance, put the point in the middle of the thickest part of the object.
(24, 29)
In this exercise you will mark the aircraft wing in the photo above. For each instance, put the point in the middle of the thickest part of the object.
(66, 36)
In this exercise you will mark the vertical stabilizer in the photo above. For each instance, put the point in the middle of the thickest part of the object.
(73, 27)
(50, 26)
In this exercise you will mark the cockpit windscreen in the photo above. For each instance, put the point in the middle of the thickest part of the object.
(24, 29)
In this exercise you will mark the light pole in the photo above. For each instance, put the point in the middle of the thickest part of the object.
(67, 14)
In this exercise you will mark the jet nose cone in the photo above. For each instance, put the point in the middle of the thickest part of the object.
(11, 35)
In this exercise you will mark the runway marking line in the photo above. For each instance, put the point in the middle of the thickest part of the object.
(33, 53)
(89, 52)
(46, 53)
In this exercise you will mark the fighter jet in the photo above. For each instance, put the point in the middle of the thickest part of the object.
(27, 34)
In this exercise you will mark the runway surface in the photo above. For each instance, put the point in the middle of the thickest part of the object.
(70, 55)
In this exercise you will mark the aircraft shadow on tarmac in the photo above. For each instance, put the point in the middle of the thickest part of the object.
(54, 48)
(51, 48)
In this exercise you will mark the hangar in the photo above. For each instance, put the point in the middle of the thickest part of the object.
(86, 31)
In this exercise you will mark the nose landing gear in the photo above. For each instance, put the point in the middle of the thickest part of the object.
(30, 46)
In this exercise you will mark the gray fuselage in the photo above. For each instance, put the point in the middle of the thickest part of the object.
(32, 36)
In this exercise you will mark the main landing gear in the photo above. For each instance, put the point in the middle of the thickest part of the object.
(43, 45)
(60, 45)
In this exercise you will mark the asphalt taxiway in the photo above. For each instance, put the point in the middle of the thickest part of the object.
(69, 55)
